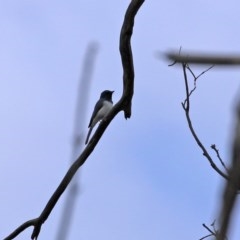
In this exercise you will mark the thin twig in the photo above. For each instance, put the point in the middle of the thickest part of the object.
(209, 235)
(213, 146)
(191, 71)
(186, 104)
(186, 107)
(205, 71)
(195, 78)
(179, 52)
(212, 233)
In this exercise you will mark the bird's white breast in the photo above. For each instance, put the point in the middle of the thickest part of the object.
(107, 106)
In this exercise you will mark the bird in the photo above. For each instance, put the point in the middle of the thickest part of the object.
(101, 109)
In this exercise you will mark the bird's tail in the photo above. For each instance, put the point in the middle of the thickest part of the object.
(88, 135)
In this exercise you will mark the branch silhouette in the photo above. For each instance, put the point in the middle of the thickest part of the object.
(232, 174)
(186, 107)
(210, 59)
(124, 104)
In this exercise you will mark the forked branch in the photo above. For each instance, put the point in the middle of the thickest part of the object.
(186, 107)
(212, 232)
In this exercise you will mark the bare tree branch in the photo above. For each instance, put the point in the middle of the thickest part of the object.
(232, 186)
(233, 175)
(21, 228)
(204, 59)
(126, 56)
(213, 232)
(123, 104)
(203, 72)
(179, 52)
(209, 235)
(186, 107)
(213, 146)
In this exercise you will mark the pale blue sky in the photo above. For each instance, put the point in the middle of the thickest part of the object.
(146, 179)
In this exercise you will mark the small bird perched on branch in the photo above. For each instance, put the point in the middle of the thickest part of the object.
(101, 109)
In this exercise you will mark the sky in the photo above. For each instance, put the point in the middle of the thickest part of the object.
(146, 179)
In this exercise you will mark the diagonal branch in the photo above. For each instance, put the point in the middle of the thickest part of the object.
(123, 104)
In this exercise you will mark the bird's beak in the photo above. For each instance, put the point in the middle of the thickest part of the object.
(112, 91)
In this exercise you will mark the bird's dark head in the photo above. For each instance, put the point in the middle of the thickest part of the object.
(107, 95)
